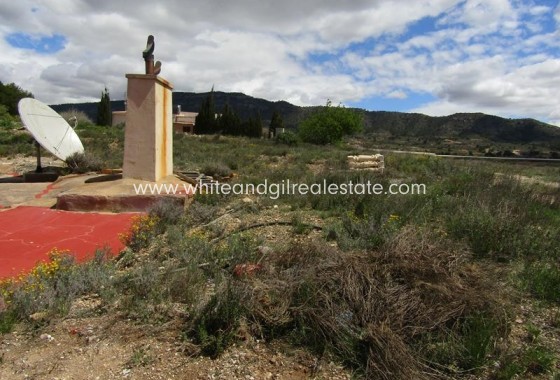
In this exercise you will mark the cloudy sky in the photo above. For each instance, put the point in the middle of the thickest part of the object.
(432, 56)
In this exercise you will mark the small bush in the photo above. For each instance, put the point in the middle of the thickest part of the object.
(140, 357)
(478, 335)
(7, 322)
(141, 232)
(534, 360)
(201, 213)
(83, 163)
(538, 360)
(51, 286)
(167, 212)
(542, 279)
(216, 170)
(287, 138)
(216, 324)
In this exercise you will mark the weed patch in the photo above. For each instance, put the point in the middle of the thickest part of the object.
(372, 309)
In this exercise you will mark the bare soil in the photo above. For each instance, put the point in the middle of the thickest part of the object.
(91, 343)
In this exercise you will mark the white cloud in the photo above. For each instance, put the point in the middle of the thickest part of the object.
(397, 94)
(486, 55)
(255, 47)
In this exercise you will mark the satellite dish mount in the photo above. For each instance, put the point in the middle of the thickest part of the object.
(39, 168)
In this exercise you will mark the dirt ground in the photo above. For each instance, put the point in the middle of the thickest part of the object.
(93, 344)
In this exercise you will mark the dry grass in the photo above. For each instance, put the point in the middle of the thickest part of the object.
(371, 309)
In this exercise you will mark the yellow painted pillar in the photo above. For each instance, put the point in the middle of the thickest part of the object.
(148, 138)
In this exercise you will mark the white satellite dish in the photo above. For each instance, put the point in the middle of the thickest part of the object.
(49, 129)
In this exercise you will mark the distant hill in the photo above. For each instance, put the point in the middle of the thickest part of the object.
(458, 126)
(463, 125)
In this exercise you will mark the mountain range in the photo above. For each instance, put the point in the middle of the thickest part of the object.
(474, 126)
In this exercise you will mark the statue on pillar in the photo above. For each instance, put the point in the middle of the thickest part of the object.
(148, 55)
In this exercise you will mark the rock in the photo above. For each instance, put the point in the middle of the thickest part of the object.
(264, 250)
(47, 337)
(39, 316)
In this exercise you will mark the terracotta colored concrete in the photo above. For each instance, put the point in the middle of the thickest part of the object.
(119, 195)
(148, 143)
(27, 234)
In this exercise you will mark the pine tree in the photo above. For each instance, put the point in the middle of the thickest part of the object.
(256, 130)
(104, 114)
(205, 122)
(276, 124)
(253, 126)
(229, 123)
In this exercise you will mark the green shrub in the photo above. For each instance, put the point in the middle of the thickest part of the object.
(216, 170)
(167, 212)
(7, 322)
(216, 324)
(142, 231)
(52, 286)
(140, 357)
(479, 332)
(538, 360)
(287, 138)
(542, 279)
(329, 124)
(509, 370)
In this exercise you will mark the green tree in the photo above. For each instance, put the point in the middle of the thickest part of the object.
(6, 120)
(104, 113)
(10, 95)
(276, 124)
(228, 122)
(329, 124)
(252, 127)
(257, 126)
(205, 122)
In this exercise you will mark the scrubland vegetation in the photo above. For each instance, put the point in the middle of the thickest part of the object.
(392, 286)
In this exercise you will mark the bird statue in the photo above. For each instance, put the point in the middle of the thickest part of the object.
(150, 45)
(157, 68)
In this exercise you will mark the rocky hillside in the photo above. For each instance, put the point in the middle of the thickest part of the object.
(458, 126)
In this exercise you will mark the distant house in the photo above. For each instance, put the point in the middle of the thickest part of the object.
(119, 117)
(183, 122)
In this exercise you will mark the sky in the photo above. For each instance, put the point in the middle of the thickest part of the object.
(436, 57)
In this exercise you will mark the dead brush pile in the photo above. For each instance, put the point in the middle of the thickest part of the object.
(381, 312)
